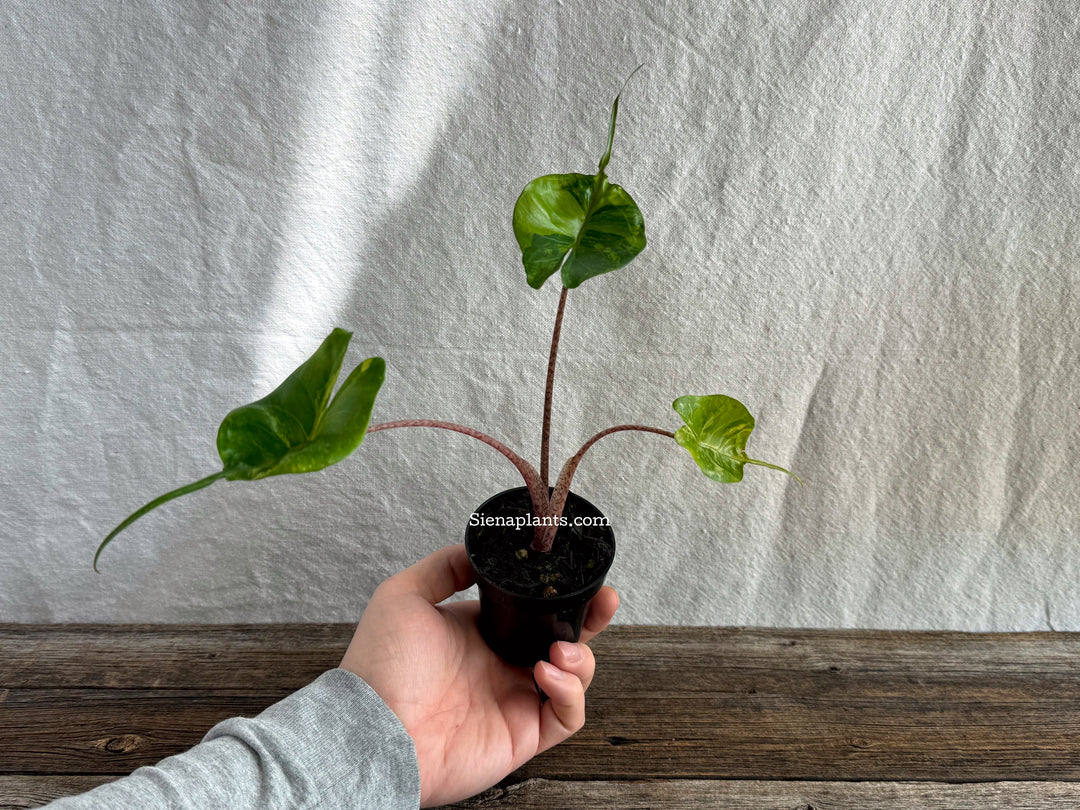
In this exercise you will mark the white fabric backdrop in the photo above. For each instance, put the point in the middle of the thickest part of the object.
(863, 223)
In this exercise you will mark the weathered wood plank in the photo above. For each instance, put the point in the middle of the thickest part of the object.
(544, 794)
(683, 739)
(290, 655)
(96, 731)
(688, 703)
(115, 731)
(807, 704)
(700, 649)
(19, 792)
(148, 656)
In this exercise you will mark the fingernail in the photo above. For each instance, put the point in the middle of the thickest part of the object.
(552, 670)
(570, 652)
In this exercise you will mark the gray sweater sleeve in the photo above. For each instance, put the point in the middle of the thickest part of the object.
(332, 744)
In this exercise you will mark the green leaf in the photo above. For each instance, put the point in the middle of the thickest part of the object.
(579, 222)
(294, 429)
(715, 434)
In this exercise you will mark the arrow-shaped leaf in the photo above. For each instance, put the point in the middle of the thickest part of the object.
(579, 222)
(294, 429)
(715, 434)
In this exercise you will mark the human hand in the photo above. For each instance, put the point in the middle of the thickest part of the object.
(472, 717)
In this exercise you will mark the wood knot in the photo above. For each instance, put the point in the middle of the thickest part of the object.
(616, 740)
(124, 744)
(860, 742)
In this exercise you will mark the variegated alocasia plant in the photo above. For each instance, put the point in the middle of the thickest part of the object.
(578, 225)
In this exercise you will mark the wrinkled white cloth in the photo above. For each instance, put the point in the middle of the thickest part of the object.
(863, 223)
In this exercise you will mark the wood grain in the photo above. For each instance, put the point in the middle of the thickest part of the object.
(671, 709)
(545, 794)
(148, 656)
(20, 792)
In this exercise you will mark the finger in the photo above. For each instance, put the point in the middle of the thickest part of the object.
(564, 712)
(438, 576)
(574, 658)
(601, 610)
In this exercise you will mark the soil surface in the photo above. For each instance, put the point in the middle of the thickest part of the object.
(503, 554)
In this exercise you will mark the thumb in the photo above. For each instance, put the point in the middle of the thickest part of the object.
(438, 576)
(564, 713)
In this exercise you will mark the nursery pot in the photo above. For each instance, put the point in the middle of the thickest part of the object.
(530, 599)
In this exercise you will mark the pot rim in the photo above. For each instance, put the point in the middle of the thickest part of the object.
(542, 604)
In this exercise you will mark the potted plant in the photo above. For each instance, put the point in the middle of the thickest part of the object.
(534, 585)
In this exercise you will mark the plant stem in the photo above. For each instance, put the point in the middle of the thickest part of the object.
(545, 435)
(562, 486)
(537, 491)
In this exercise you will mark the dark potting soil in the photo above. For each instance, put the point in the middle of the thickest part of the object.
(503, 554)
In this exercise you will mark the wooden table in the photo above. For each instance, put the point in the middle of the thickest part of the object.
(677, 716)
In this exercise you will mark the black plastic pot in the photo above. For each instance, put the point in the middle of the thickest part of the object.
(529, 599)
